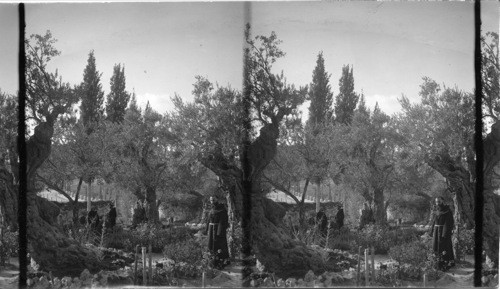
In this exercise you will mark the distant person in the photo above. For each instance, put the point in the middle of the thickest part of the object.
(339, 218)
(83, 219)
(93, 218)
(60, 219)
(366, 216)
(146, 210)
(217, 223)
(111, 216)
(441, 231)
(322, 222)
(138, 215)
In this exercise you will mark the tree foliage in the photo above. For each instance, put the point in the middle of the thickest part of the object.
(490, 75)
(346, 100)
(47, 99)
(320, 113)
(320, 109)
(8, 158)
(118, 98)
(373, 146)
(491, 144)
(144, 159)
(440, 130)
(92, 96)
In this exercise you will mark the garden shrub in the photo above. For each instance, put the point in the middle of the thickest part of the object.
(188, 251)
(414, 253)
(121, 240)
(414, 260)
(190, 258)
(466, 242)
(382, 238)
(145, 235)
(341, 239)
(9, 246)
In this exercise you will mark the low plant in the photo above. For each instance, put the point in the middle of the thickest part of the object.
(307, 233)
(414, 253)
(341, 240)
(188, 251)
(382, 238)
(414, 260)
(84, 234)
(235, 240)
(144, 235)
(465, 243)
(9, 246)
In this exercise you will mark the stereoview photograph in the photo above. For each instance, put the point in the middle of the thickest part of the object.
(249, 144)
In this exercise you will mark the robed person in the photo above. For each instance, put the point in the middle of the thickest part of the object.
(441, 231)
(139, 215)
(322, 222)
(339, 218)
(93, 218)
(111, 216)
(366, 216)
(217, 223)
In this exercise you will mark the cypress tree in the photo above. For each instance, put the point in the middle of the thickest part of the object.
(346, 100)
(92, 95)
(320, 109)
(133, 113)
(118, 98)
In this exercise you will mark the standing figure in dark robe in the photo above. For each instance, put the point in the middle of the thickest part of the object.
(111, 216)
(83, 219)
(366, 216)
(322, 222)
(441, 230)
(146, 208)
(93, 218)
(339, 218)
(217, 223)
(139, 214)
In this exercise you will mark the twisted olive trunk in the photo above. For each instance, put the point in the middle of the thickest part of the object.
(152, 210)
(47, 245)
(270, 243)
(379, 206)
(491, 217)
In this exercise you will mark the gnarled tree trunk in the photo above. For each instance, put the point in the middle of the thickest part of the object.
(273, 247)
(491, 217)
(8, 199)
(152, 210)
(460, 185)
(463, 189)
(47, 245)
(379, 206)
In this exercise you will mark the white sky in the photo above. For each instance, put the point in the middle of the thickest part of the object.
(164, 45)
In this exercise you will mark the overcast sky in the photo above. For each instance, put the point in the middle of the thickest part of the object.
(165, 45)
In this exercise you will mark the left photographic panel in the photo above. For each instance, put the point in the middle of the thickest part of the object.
(114, 179)
(9, 169)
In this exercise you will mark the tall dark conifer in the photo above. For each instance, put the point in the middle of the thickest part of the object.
(118, 98)
(92, 95)
(346, 100)
(320, 112)
(133, 113)
(320, 109)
